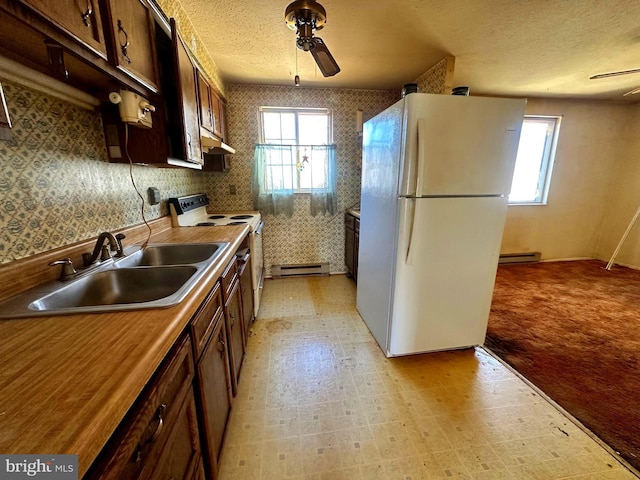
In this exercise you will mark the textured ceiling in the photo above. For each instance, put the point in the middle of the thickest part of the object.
(502, 47)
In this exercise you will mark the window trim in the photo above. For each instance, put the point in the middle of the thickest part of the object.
(548, 160)
(296, 110)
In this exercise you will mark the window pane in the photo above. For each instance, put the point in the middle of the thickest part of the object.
(289, 127)
(271, 126)
(314, 129)
(533, 161)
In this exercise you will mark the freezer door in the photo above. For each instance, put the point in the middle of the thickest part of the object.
(459, 145)
(381, 149)
(448, 251)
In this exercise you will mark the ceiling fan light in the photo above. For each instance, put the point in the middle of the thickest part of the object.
(326, 63)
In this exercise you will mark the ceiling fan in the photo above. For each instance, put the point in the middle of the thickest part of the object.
(305, 17)
(617, 74)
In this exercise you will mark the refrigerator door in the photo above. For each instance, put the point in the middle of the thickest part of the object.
(382, 140)
(459, 145)
(446, 264)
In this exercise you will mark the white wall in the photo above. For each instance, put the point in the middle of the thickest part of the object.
(624, 198)
(593, 151)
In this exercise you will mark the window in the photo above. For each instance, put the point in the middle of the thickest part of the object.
(534, 160)
(299, 167)
(295, 156)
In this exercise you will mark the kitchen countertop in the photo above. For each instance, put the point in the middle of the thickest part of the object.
(355, 212)
(67, 381)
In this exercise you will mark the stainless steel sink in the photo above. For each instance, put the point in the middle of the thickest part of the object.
(159, 276)
(126, 286)
(172, 254)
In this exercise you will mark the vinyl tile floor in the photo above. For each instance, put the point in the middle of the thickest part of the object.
(319, 400)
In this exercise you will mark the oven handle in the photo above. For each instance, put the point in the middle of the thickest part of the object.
(258, 230)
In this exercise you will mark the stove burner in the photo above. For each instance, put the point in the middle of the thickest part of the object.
(215, 217)
(205, 224)
(241, 217)
(236, 223)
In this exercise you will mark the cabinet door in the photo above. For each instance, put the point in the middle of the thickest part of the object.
(214, 382)
(348, 246)
(79, 18)
(186, 75)
(204, 97)
(138, 446)
(180, 458)
(217, 107)
(133, 31)
(233, 314)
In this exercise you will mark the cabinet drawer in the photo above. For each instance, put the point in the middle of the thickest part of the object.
(228, 277)
(204, 321)
(136, 447)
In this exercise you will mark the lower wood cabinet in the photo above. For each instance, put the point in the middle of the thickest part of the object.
(351, 243)
(176, 428)
(213, 379)
(159, 438)
(177, 460)
(233, 314)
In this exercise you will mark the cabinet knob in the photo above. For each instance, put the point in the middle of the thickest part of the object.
(221, 347)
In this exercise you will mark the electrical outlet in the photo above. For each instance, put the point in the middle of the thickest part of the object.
(232, 189)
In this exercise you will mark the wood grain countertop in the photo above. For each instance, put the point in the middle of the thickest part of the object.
(67, 381)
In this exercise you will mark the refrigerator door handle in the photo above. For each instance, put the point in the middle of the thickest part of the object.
(421, 161)
(410, 217)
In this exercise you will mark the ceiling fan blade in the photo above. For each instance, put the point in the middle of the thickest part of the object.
(323, 58)
(632, 92)
(614, 74)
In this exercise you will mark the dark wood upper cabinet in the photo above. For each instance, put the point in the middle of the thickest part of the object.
(211, 107)
(204, 97)
(218, 111)
(188, 104)
(81, 19)
(133, 38)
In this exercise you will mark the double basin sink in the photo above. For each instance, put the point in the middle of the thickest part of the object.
(158, 276)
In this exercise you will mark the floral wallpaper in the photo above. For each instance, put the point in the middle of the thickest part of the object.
(301, 238)
(56, 185)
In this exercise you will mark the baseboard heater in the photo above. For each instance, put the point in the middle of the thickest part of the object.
(528, 257)
(303, 269)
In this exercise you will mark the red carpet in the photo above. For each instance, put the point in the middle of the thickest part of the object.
(573, 330)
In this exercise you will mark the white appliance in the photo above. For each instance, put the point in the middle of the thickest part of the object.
(436, 172)
(191, 211)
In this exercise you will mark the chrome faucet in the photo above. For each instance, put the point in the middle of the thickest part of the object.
(115, 245)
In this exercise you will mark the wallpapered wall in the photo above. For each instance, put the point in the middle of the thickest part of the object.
(56, 184)
(301, 238)
(439, 78)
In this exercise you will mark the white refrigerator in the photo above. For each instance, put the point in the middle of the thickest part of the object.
(436, 172)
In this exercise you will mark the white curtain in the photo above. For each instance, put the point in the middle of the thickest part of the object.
(281, 170)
